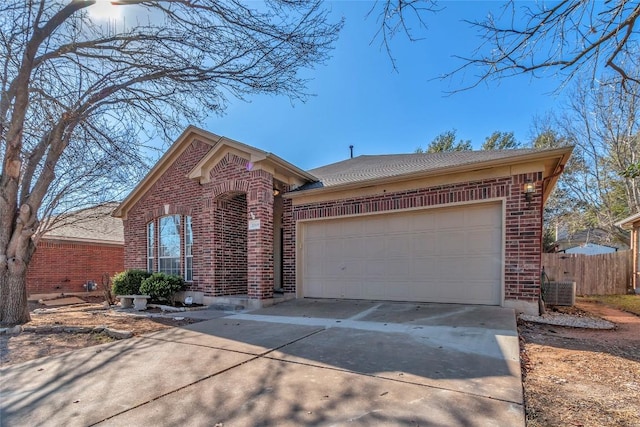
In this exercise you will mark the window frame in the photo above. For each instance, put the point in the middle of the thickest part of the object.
(150, 246)
(175, 264)
(188, 248)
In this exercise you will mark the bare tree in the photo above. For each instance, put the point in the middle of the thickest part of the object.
(400, 17)
(569, 37)
(603, 123)
(77, 96)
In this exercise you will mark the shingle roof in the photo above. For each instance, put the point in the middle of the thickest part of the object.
(367, 167)
(91, 224)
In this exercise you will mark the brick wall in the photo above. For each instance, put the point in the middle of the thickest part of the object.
(227, 258)
(523, 228)
(171, 194)
(230, 245)
(234, 181)
(64, 266)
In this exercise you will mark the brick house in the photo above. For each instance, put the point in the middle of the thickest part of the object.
(78, 249)
(458, 227)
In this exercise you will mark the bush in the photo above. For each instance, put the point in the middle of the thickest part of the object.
(128, 282)
(161, 286)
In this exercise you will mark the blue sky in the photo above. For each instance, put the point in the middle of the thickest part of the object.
(360, 100)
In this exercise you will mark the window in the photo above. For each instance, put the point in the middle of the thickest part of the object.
(188, 249)
(150, 246)
(171, 241)
(169, 245)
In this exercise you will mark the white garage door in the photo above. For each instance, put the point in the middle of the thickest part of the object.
(450, 255)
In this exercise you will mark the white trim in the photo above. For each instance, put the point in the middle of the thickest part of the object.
(179, 257)
(190, 222)
(628, 221)
(151, 226)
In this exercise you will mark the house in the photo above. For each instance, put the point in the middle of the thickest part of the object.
(590, 241)
(590, 249)
(633, 223)
(456, 227)
(79, 248)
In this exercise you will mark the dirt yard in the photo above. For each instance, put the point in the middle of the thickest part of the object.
(572, 377)
(582, 377)
(31, 345)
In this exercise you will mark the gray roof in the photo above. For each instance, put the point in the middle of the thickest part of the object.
(367, 167)
(597, 236)
(91, 224)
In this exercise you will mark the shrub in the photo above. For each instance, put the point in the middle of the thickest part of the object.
(128, 282)
(161, 286)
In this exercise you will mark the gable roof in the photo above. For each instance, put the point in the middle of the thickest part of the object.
(200, 171)
(363, 169)
(94, 224)
(351, 173)
(281, 169)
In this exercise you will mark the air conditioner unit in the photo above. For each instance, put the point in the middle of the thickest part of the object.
(559, 293)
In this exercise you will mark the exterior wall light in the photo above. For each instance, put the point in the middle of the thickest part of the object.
(528, 189)
(275, 192)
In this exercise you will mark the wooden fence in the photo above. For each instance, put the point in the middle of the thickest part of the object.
(606, 274)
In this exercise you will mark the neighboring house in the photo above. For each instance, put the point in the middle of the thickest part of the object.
(78, 249)
(451, 227)
(590, 249)
(633, 223)
(592, 241)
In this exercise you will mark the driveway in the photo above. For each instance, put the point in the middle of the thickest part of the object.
(303, 362)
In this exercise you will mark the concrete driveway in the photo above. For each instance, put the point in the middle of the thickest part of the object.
(303, 362)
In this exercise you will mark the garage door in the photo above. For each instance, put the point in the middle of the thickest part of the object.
(450, 255)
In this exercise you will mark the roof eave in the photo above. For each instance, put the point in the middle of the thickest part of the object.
(82, 240)
(627, 223)
(565, 153)
(292, 169)
(256, 155)
(562, 153)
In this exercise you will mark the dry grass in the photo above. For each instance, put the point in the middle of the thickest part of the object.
(629, 303)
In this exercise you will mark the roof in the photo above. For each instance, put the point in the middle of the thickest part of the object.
(360, 171)
(595, 235)
(374, 167)
(281, 168)
(628, 221)
(219, 144)
(366, 167)
(589, 249)
(94, 224)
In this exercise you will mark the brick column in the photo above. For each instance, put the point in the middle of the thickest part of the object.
(260, 240)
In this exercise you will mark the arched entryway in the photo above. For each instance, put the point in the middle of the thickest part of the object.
(230, 244)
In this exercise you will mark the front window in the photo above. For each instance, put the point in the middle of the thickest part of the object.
(188, 249)
(150, 246)
(169, 245)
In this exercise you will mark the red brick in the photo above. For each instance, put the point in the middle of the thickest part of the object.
(61, 266)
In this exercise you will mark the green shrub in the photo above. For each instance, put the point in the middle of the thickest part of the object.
(161, 286)
(128, 282)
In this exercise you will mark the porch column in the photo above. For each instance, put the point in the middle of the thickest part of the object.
(260, 236)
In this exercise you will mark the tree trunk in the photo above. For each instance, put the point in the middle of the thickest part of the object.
(14, 309)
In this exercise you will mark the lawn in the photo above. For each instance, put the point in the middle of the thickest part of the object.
(630, 303)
